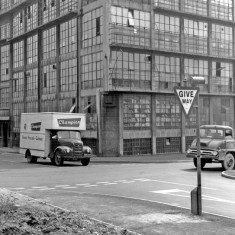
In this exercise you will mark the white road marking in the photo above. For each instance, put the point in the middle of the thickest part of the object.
(66, 185)
(144, 180)
(69, 187)
(119, 181)
(167, 182)
(103, 182)
(128, 182)
(169, 191)
(40, 187)
(82, 184)
(110, 183)
(16, 188)
(173, 192)
(90, 185)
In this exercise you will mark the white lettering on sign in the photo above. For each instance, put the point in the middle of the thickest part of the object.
(70, 122)
(28, 137)
(186, 98)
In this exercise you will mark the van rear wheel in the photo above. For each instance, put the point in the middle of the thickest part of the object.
(30, 158)
(58, 158)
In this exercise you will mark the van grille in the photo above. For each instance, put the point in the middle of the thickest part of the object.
(77, 149)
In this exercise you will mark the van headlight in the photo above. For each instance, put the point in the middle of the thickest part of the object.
(67, 150)
(87, 151)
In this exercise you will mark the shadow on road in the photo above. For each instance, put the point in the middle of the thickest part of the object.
(205, 169)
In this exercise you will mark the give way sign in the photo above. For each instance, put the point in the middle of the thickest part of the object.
(186, 96)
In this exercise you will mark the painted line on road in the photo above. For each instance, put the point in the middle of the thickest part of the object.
(69, 187)
(188, 185)
(16, 188)
(82, 184)
(128, 182)
(144, 180)
(40, 187)
(43, 189)
(119, 181)
(110, 183)
(58, 186)
(91, 185)
(173, 192)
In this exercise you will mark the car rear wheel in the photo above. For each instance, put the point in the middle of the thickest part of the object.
(58, 159)
(85, 162)
(203, 163)
(229, 162)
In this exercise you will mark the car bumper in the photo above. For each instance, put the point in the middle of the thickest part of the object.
(209, 157)
(78, 158)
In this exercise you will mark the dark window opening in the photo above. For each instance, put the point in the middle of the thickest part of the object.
(130, 21)
(218, 69)
(89, 108)
(45, 5)
(98, 26)
(28, 12)
(21, 17)
(45, 80)
(14, 86)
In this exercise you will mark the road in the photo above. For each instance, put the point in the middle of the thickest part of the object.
(118, 193)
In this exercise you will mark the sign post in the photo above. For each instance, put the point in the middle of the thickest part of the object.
(186, 96)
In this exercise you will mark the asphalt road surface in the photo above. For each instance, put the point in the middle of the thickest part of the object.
(122, 194)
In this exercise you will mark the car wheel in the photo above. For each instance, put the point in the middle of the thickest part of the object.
(203, 163)
(30, 158)
(229, 162)
(85, 161)
(58, 159)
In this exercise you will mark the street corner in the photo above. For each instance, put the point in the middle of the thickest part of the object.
(229, 174)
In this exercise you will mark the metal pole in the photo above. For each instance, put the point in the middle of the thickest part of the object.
(98, 110)
(199, 190)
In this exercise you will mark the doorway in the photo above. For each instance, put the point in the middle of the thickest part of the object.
(5, 134)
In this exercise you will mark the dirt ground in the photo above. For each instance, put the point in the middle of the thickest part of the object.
(25, 216)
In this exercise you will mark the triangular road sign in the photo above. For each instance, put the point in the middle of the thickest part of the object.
(186, 96)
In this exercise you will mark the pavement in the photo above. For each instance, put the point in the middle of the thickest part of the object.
(167, 219)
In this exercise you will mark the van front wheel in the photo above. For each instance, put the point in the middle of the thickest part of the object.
(58, 158)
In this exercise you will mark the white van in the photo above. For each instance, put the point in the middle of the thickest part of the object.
(54, 135)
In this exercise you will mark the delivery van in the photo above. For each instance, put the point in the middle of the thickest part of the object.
(54, 135)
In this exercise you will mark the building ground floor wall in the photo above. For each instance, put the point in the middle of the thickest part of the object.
(125, 124)
(142, 124)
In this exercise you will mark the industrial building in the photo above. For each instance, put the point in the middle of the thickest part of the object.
(117, 61)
